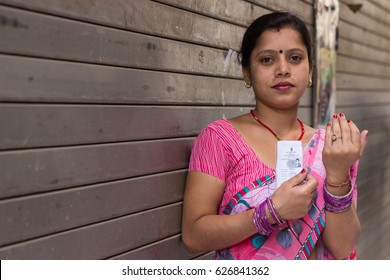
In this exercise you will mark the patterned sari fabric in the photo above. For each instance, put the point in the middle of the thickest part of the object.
(297, 238)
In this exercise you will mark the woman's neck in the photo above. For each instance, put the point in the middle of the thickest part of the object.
(283, 123)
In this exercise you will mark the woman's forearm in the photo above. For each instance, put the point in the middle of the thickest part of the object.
(214, 232)
(341, 232)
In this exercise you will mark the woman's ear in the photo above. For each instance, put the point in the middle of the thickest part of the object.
(311, 70)
(247, 76)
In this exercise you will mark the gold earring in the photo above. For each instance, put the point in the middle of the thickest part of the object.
(310, 83)
(247, 85)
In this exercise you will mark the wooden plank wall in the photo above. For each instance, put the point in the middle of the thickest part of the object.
(100, 102)
(363, 72)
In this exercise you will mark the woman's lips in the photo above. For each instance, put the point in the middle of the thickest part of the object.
(283, 86)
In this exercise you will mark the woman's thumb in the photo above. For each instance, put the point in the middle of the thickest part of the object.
(298, 178)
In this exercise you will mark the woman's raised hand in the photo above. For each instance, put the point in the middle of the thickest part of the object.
(344, 144)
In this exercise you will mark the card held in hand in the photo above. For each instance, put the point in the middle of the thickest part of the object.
(289, 160)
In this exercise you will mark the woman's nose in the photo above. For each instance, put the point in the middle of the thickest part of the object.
(283, 68)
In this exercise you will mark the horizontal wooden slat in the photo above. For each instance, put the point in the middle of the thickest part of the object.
(362, 97)
(381, 4)
(207, 256)
(59, 168)
(36, 215)
(377, 12)
(376, 124)
(363, 36)
(362, 20)
(300, 8)
(369, 161)
(57, 38)
(41, 80)
(375, 169)
(377, 219)
(239, 12)
(375, 246)
(103, 239)
(147, 17)
(56, 168)
(379, 210)
(171, 248)
(55, 125)
(353, 49)
(349, 81)
(373, 188)
(371, 156)
(242, 12)
(358, 66)
(358, 113)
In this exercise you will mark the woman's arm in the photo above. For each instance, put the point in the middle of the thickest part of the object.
(341, 232)
(342, 229)
(202, 228)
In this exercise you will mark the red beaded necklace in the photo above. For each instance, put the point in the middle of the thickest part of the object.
(272, 131)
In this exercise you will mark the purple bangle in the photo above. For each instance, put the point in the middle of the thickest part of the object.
(337, 204)
(274, 212)
(260, 220)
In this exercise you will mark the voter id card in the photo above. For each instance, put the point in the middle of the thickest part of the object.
(289, 160)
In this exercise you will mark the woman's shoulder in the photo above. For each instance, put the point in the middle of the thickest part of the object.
(312, 132)
(219, 126)
(220, 130)
(218, 123)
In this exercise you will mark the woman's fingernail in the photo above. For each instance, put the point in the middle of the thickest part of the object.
(341, 114)
(328, 124)
(303, 170)
(335, 116)
(348, 121)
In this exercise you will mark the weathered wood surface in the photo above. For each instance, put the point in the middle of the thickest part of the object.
(58, 168)
(363, 20)
(57, 38)
(60, 125)
(300, 8)
(365, 68)
(103, 239)
(171, 248)
(38, 215)
(350, 81)
(149, 17)
(42, 80)
(109, 96)
(363, 52)
(363, 95)
(363, 36)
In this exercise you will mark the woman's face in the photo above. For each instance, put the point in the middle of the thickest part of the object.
(279, 68)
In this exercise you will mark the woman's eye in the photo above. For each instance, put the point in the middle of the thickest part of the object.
(266, 60)
(295, 58)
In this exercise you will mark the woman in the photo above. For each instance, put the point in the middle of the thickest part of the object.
(231, 202)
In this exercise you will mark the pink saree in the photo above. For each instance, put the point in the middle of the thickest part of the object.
(297, 239)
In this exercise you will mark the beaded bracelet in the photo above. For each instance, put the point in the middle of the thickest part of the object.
(340, 185)
(337, 204)
(260, 220)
